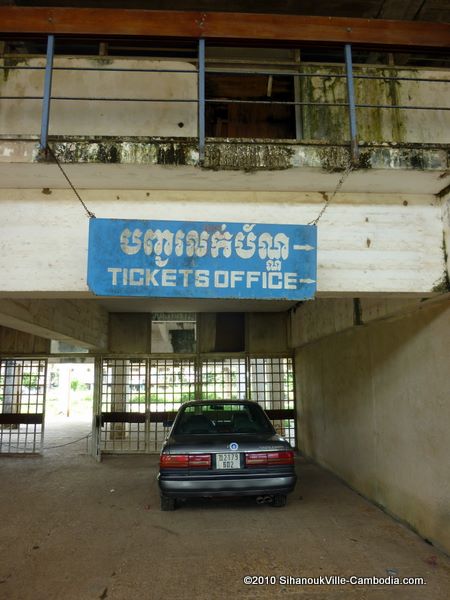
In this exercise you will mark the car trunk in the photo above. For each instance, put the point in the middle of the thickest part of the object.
(212, 444)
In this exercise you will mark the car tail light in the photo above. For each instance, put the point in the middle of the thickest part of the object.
(280, 458)
(256, 459)
(268, 459)
(185, 461)
(200, 461)
(174, 461)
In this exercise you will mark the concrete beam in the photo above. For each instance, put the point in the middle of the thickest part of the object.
(79, 322)
(314, 320)
(255, 167)
(324, 317)
(267, 332)
(130, 332)
(368, 243)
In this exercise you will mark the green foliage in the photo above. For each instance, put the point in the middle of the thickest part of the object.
(161, 399)
(221, 377)
(29, 380)
(76, 385)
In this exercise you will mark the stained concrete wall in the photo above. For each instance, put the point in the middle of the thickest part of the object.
(89, 78)
(396, 87)
(129, 333)
(373, 406)
(268, 332)
(92, 79)
(446, 237)
(18, 342)
(78, 322)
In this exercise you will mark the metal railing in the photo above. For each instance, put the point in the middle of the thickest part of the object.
(351, 105)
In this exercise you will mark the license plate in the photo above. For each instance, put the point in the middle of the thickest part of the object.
(230, 460)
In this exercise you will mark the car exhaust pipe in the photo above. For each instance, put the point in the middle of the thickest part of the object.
(264, 499)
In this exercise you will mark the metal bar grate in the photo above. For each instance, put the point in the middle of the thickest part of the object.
(172, 382)
(22, 404)
(223, 379)
(272, 386)
(123, 391)
(139, 396)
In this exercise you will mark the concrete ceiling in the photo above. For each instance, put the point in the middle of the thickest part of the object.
(148, 305)
(421, 10)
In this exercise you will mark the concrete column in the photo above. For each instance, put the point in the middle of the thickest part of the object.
(120, 381)
(277, 393)
(64, 387)
(12, 389)
(227, 381)
(258, 381)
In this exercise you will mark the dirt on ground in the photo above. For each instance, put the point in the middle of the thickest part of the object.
(75, 529)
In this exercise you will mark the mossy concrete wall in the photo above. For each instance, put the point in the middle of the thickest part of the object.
(373, 407)
(327, 84)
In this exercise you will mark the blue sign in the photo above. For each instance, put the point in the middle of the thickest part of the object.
(189, 259)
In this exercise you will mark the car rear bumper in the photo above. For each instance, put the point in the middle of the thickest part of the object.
(180, 487)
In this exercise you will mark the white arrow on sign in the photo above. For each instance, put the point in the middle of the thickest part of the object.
(306, 247)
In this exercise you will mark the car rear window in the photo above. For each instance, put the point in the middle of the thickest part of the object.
(218, 417)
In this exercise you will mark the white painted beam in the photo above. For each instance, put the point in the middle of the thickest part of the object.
(80, 322)
(368, 243)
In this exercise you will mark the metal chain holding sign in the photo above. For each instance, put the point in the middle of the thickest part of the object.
(88, 212)
(339, 184)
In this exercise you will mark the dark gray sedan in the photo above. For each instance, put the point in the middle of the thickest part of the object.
(225, 448)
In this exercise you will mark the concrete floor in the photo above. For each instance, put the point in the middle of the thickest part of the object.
(75, 529)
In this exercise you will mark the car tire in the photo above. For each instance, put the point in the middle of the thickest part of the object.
(168, 503)
(279, 500)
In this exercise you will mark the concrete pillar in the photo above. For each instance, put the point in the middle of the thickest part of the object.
(120, 381)
(275, 385)
(258, 380)
(12, 389)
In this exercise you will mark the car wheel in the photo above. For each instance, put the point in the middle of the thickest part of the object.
(168, 503)
(279, 500)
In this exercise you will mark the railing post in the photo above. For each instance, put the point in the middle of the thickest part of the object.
(201, 100)
(351, 103)
(298, 98)
(47, 92)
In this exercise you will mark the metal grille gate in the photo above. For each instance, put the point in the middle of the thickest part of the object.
(22, 405)
(137, 396)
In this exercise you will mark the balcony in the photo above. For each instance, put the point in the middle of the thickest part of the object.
(223, 118)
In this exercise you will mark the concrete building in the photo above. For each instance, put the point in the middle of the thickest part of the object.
(340, 122)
